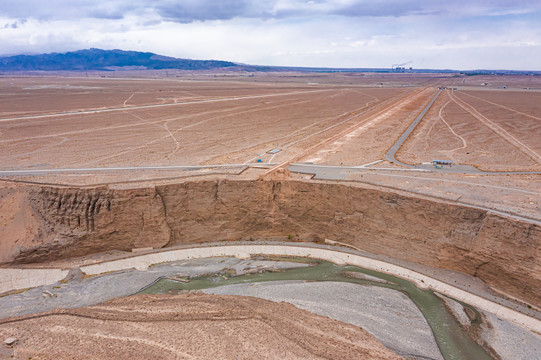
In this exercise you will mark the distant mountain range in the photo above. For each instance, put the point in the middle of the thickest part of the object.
(97, 59)
(110, 60)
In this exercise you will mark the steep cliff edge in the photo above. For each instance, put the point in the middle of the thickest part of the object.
(74, 222)
(64, 222)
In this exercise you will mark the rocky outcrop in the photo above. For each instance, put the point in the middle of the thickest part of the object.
(76, 222)
(504, 252)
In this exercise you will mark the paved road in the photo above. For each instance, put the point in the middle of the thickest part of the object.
(395, 102)
(462, 169)
(327, 172)
(97, 111)
(31, 172)
(330, 172)
(323, 172)
(391, 153)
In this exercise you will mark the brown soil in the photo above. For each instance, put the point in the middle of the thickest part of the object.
(466, 129)
(233, 130)
(336, 119)
(188, 326)
(516, 194)
(76, 222)
(371, 140)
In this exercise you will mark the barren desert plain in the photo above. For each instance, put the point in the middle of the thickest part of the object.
(437, 175)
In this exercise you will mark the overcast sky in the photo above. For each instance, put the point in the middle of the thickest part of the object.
(457, 34)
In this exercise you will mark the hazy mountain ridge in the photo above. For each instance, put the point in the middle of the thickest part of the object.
(97, 59)
(110, 60)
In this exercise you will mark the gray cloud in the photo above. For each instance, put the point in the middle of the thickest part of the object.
(398, 8)
(186, 11)
(381, 8)
(67, 9)
(15, 25)
(202, 10)
(182, 11)
(339, 33)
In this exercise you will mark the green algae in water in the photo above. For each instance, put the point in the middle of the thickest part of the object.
(452, 340)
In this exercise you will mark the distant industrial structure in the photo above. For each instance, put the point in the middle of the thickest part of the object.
(401, 67)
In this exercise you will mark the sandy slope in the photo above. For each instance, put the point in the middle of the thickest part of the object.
(190, 326)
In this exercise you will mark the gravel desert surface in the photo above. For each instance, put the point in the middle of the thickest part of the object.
(403, 330)
(116, 162)
(480, 128)
(159, 122)
(101, 130)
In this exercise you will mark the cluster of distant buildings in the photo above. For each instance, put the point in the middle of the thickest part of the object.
(402, 69)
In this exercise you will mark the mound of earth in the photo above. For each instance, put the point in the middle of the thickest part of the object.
(187, 326)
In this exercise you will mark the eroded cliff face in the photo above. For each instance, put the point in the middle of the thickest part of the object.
(74, 222)
(504, 252)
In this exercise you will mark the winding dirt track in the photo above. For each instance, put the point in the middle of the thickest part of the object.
(464, 142)
(151, 106)
(501, 106)
(497, 129)
(468, 130)
(232, 123)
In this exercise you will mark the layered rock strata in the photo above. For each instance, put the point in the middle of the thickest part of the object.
(45, 223)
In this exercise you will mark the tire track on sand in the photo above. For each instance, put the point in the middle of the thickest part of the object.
(497, 129)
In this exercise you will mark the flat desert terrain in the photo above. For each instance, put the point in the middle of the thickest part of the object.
(149, 128)
(106, 164)
(104, 123)
(492, 130)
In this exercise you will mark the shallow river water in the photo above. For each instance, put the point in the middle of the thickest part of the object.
(452, 340)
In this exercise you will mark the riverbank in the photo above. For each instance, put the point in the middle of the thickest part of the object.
(60, 223)
(101, 281)
(336, 255)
